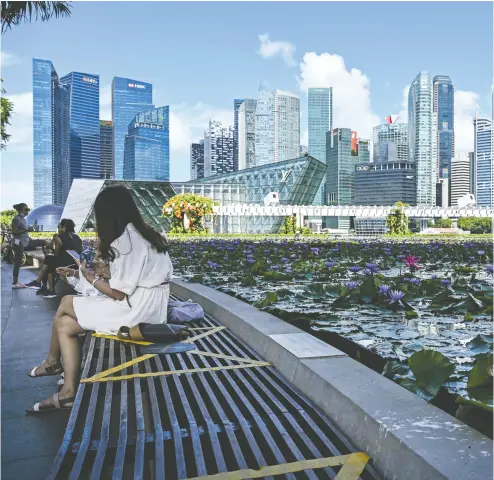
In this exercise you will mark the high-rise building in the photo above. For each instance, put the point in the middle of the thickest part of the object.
(304, 149)
(247, 134)
(460, 178)
(473, 173)
(197, 160)
(277, 125)
(320, 122)
(443, 111)
(129, 97)
(363, 150)
(106, 149)
(390, 142)
(50, 136)
(420, 142)
(147, 146)
(484, 153)
(236, 105)
(218, 149)
(341, 173)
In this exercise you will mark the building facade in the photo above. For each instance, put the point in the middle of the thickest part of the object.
(129, 97)
(363, 150)
(236, 106)
(197, 160)
(218, 149)
(420, 142)
(277, 126)
(247, 134)
(484, 153)
(320, 122)
(50, 136)
(443, 111)
(390, 142)
(460, 178)
(106, 149)
(147, 146)
(473, 173)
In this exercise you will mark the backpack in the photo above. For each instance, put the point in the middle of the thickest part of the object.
(184, 312)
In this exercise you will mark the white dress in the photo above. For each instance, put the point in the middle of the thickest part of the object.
(138, 271)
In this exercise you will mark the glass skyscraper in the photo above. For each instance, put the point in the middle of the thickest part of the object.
(390, 142)
(129, 97)
(443, 109)
(484, 161)
(247, 134)
(106, 149)
(197, 160)
(320, 115)
(147, 146)
(84, 124)
(218, 149)
(236, 105)
(420, 142)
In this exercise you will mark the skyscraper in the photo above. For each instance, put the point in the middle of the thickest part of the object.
(460, 178)
(277, 125)
(420, 143)
(84, 124)
(247, 134)
(320, 122)
(218, 149)
(443, 110)
(473, 173)
(363, 150)
(236, 105)
(129, 97)
(484, 153)
(106, 149)
(390, 142)
(197, 160)
(147, 146)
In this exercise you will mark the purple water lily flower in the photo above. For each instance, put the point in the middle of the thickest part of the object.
(445, 283)
(480, 252)
(355, 269)
(372, 267)
(384, 289)
(405, 279)
(395, 296)
(330, 264)
(489, 269)
(315, 251)
(352, 285)
(415, 281)
(434, 277)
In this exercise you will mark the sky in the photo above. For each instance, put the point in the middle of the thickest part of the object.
(200, 56)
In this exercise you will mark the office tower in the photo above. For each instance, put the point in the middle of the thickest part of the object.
(320, 122)
(304, 149)
(390, 142)
(443, 111)
(236, 105)
(218, 149)
(147, 146)
(473, 173)
(106, 149)
(363, 150)
(442, 192)
(460, 178)
(420, 144)
(84, 154)
(197, 160)
(247, 134)
(129, 97)
(341, 167)
(277, 126)
(484, 153)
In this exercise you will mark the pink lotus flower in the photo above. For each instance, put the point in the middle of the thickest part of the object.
(411, 262)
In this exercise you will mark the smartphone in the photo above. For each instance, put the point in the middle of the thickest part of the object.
(74, 255)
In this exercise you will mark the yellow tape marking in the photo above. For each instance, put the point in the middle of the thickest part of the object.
(225, 357)
(356, 463)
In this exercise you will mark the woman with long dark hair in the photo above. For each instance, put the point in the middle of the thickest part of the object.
(20, 240)
(138, 290)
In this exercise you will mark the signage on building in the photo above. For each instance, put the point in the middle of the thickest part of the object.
(137, 85)
(89, 80)
(284, 175)
(362, 169)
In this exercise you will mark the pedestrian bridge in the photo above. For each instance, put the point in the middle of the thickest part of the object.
(252, 210)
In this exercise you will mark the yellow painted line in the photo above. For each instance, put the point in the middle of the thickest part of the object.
(225, 357)
(114, 337)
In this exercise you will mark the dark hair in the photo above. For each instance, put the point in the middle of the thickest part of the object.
(20, 207)
(68, 224)
(114, 209)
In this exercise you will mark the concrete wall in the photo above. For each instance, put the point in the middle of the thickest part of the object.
(407, 438)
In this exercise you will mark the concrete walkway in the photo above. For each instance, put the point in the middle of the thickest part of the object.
(29, 443)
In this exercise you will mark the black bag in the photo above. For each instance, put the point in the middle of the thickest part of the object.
(155, 333)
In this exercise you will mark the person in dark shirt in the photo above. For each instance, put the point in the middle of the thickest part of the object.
(56, 256)
(20, 240)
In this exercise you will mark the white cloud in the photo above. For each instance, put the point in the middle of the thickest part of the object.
(270, 49)
(21, 123)
(351, 93)
(7, 59)
(465, 105)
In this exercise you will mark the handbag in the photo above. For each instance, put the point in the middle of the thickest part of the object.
(184, 312)
(154, 333)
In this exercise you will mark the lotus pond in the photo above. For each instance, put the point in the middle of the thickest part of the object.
(420, 312)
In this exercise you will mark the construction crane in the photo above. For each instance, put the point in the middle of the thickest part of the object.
(390, 120)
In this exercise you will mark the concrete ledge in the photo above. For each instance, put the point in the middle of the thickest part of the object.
(407, 438)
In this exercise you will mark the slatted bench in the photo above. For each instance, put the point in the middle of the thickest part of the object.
(230, 413)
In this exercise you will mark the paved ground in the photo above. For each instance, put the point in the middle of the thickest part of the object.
(29, 443)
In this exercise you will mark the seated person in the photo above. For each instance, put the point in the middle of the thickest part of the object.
(57, 256)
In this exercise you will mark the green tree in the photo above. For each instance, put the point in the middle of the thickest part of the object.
(7, 216)
(190, 208)
(443, 223)
(397, 220)
(475, 224)
(6, 108)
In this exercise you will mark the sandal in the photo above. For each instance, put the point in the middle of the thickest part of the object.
(63, 404)
(49, 370)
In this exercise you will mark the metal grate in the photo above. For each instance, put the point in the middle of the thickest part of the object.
(191, 425)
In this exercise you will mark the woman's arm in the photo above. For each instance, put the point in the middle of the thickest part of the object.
(68, 272)
(57, 244)
(101, 285)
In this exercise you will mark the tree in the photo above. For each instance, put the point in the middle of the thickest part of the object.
(6, 108)
(443, 223)
(7, 216)
(475, 224)
(397, 220)
(14, 13)
(186, 211)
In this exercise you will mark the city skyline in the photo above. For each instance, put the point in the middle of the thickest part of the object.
(285, 58)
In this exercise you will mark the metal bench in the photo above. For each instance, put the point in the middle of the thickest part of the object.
(225, 415)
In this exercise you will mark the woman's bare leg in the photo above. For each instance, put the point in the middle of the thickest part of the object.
(42, 273)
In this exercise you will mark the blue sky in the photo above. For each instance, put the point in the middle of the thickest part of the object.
(200, 56)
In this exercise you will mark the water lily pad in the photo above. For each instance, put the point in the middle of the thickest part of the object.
(481, 373)
(481, 344)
